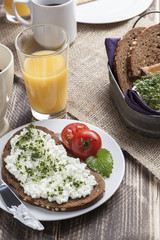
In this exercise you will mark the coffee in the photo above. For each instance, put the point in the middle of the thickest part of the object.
(56, 2)
(52, 4)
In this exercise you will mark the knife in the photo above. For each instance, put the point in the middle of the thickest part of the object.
(17, 208)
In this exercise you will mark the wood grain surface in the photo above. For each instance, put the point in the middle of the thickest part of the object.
(132, 213)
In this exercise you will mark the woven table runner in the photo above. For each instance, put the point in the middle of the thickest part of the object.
(89, 97)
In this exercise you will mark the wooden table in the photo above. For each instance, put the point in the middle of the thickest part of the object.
(133, 212)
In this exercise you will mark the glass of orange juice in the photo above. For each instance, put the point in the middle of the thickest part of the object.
(21, 8)
(43, 55)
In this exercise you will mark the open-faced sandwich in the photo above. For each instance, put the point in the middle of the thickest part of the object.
(36, 163)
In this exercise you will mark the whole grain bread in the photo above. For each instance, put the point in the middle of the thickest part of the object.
(120, 58)
(73, 204)
(146, 51)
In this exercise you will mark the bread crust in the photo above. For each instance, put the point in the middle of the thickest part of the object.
(120, 58)
(73, 204)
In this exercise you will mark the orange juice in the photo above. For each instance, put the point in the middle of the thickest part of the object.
(22, 9)
(46, 80)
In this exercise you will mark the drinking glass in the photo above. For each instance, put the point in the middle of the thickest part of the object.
(22, 10)
(43, 57)
(6, 83)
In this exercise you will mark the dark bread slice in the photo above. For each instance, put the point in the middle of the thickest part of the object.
(73, 204)
(146, 51)
(120, 58)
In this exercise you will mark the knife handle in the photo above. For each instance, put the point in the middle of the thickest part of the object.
(1, 181)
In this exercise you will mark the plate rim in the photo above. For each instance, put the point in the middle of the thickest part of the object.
(137, 12)
(71, 214)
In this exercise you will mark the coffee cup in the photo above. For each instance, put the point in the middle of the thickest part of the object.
(58, 12)
(6, 82)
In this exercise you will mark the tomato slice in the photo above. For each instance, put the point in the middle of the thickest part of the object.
(86, 143)
(69, 131)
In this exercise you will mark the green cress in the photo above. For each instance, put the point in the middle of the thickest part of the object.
(148, 87)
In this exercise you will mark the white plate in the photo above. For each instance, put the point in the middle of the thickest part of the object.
(112, 183)
(110, 11)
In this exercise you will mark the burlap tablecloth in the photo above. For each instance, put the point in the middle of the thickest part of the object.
(89, 97)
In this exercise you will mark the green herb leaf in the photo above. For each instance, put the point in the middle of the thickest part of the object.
(102, 164)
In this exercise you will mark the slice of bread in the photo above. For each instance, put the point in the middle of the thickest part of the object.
(146, 51)
(73, 204)
(79, 2)
(153, 69)
(120, 58)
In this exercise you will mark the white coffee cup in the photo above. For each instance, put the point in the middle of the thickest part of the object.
(58, 12)
(6, 82)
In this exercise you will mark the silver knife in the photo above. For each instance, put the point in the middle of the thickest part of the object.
(17, 208)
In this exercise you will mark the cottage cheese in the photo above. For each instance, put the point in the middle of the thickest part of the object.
(44, 169)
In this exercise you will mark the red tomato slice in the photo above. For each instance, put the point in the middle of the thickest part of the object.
(86, 143)
(69, 131)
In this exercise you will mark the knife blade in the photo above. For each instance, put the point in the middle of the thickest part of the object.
(17, 208)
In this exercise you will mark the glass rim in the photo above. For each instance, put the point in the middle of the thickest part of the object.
(66, 44)
(11, 58)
